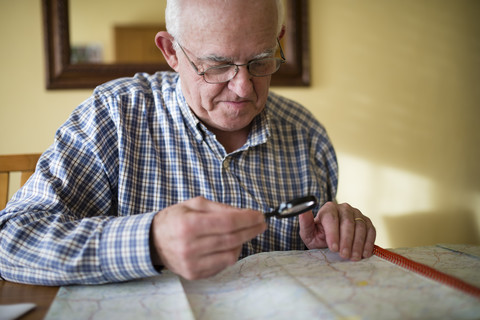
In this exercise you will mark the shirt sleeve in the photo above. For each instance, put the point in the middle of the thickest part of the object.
(62, 227)
(325, 160)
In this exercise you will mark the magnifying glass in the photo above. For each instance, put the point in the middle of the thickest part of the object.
(293, 207)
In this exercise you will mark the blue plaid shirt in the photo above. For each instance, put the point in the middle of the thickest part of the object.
(135, 147)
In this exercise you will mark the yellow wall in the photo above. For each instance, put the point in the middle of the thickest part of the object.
(396, 83)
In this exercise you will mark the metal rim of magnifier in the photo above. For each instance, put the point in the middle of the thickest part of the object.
(293, 207)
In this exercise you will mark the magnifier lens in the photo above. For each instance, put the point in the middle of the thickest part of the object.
(294, 207)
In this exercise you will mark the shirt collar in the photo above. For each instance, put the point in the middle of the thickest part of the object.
(260, 129)
(193, 123)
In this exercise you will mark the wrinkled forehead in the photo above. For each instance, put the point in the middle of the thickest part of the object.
(229, 19)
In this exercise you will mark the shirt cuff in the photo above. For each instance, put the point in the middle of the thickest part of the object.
(125, 248)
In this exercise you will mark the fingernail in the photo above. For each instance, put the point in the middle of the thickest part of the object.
(345, 253)
(355, 256)
(334, 247)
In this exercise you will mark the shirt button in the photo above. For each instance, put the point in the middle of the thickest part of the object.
(226, 163)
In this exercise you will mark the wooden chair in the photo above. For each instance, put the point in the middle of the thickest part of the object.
(23, 163)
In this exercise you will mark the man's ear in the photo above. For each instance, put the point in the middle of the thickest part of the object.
(164, 42)
(282, 32)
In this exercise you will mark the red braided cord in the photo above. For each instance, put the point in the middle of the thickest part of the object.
(426, 271)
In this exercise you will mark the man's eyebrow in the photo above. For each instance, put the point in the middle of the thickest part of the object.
(215, 58)
(265, 54)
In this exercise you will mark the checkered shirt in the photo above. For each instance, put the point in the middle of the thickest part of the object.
(135, 147)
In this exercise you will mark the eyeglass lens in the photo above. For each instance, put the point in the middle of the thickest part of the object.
(293, 207)
(257, 68)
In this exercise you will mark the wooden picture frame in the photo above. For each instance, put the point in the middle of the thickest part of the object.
(62, 74)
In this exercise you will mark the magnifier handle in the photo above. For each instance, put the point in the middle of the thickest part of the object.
(270, 214)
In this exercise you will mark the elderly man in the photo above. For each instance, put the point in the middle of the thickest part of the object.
(176, 169)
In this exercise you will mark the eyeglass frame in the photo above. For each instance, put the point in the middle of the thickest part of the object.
(282, 61)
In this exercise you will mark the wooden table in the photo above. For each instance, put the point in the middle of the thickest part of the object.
(42, 296)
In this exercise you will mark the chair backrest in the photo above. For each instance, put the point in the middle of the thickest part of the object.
(23, 163)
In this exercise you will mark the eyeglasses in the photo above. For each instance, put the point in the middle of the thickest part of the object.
(223, 73)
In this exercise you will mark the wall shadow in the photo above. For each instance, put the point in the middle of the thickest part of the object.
(430, 228)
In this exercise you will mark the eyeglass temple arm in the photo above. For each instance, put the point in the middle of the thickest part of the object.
(191, 62)
(281, 50)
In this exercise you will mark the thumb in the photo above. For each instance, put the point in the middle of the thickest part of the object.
(306, 219)
(307, 226)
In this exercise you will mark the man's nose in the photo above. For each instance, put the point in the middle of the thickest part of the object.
(241, 84)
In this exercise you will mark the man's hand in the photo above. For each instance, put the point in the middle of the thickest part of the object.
(199, 238)
(341, 228)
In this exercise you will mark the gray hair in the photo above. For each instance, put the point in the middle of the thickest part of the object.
(174, 10)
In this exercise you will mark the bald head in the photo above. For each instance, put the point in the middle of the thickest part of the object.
(185, 16)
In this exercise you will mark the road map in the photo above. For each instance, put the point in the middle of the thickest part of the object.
(159, 297)
(314, 284)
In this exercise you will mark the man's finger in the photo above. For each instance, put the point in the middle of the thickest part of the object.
(207, 217)
(328, 217)
(307, 227)
(347, 230)
(209, 244)
(359, 238)
(370, 240)
(211, 264)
